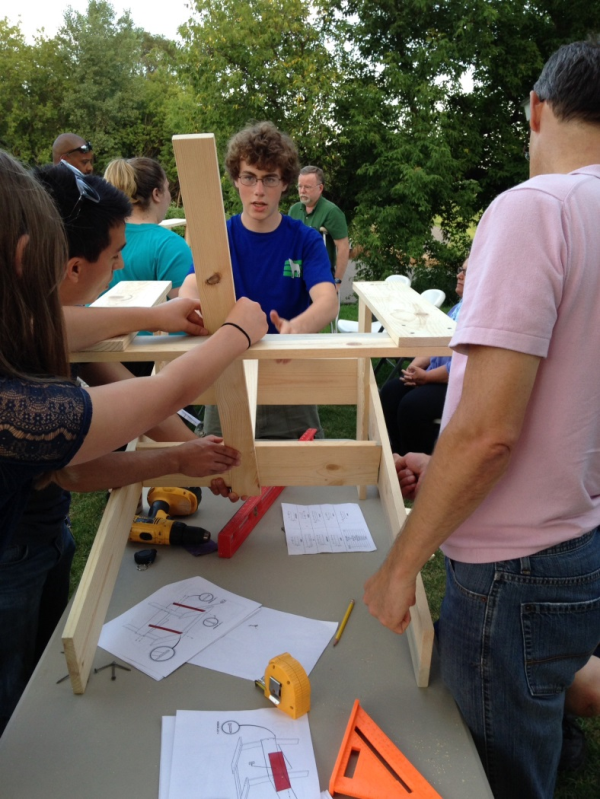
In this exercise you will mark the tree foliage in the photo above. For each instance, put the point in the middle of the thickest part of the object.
(261, 59)
(375, 93)
(432, 151)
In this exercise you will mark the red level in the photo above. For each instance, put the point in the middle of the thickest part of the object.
(239, 527)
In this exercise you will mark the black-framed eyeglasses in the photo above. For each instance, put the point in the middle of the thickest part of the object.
(83, 148)
(86, 191)
(269, 181)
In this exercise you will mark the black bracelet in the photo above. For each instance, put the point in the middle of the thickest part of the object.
(241, 329)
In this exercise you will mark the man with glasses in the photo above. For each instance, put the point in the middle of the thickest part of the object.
(512, 491)
(276, 260)
(317, 212)
(74, 150)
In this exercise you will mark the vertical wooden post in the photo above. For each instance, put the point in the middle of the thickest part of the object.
(198, 169)
(362, 405)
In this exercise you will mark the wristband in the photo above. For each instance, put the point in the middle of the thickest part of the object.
(241, 329)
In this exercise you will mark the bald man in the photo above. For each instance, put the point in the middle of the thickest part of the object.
(74, 150)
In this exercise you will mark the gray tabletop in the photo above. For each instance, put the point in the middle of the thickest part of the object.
(107, 742)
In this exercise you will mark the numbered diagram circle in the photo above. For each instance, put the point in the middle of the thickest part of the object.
(211, 621)
(230, 727)
(160, 653)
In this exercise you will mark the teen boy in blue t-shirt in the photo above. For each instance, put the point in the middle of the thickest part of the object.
(277, 261)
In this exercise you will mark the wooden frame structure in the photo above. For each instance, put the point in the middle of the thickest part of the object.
(324, 369)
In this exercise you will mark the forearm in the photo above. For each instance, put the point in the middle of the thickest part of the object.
(172, 429)
(437, 375)
(99, 374)
(87, 326)
(472, 453)
(342, 255)
(459, 477)
(144, 402)
(317, 315)
(118, 469)
(189, 287)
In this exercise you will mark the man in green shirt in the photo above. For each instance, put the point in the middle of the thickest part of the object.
(317, 212)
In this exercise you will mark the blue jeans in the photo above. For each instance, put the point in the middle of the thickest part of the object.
(513, 634)
(34, 591)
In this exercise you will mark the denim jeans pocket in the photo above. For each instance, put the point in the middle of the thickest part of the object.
(13, 555)
(468, 580)
(550, 662)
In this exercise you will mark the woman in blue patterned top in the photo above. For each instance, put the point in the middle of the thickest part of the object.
(46, 420)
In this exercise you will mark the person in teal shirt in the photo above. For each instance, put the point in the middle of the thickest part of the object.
(152, 252)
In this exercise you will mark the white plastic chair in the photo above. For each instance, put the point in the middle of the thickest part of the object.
(434, 296)
(400, 278)
(348, 326)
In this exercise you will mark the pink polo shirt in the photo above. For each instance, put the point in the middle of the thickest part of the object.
(534, 287)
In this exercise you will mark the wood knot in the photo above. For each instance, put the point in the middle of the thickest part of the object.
(214, 279)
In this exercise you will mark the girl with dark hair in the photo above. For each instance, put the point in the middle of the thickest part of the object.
(46, 420)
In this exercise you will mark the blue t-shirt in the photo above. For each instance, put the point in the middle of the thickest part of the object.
(445, 360)
(279, 268)
(153, 252)
(43, 426)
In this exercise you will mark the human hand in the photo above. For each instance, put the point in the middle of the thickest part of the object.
(219, 488)
(414, 376)
(250, 317)
(205, 456)
(283, 326)
(181, 315)
(410, 469)
(390, 599)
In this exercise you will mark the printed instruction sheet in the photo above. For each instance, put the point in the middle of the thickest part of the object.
(175, 623)
(312, 529)
(246, 754)
(247, 649)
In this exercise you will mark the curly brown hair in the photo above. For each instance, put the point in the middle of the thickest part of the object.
(264, 146)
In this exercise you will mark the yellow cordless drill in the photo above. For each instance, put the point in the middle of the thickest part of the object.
(158, 528)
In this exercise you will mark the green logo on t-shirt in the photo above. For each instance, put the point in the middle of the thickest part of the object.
(292, 268)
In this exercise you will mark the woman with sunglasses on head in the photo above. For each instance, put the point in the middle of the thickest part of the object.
(47, 421)
(152, 252)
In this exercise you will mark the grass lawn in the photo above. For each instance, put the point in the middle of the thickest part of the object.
(340, 422)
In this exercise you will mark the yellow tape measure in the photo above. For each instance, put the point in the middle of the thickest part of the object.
(286, 684)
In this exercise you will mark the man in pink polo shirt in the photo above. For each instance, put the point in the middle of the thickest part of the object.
(512, 492)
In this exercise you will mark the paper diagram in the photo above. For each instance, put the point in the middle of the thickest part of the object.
(164, 630)
(262, 763)
(175, 623)
(311, 529)
(246, 650)
(253, 754)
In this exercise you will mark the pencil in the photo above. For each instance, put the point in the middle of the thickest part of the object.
(342, 627)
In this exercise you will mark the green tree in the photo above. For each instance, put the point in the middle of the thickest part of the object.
(262, 59)
(32, 78)
(424, 149)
